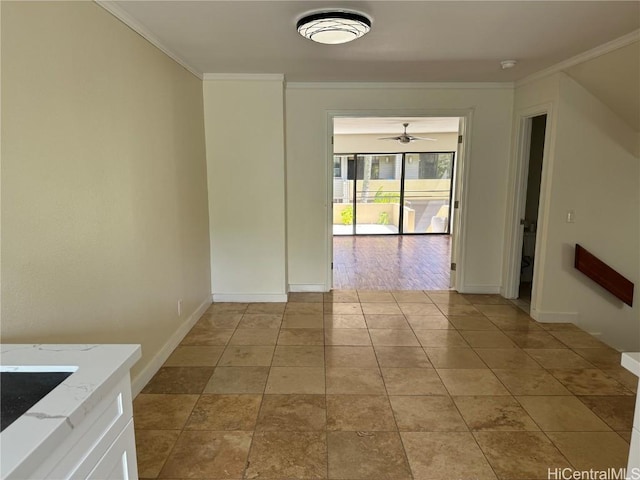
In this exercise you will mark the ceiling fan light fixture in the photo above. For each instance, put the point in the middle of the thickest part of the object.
(405, 137)
(333, 27)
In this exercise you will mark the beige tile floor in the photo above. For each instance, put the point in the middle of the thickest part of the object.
(383, 385)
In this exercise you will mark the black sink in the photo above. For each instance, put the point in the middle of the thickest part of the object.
(19, 391)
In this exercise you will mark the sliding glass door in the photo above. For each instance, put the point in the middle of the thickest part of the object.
(343, 194)
(427, 191)
(369, 190)
(377, 194)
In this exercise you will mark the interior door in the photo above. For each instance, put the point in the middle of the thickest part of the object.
(456, 193)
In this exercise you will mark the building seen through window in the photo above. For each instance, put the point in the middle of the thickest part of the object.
(432, 165)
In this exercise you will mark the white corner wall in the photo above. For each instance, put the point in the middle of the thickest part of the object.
(596, 174)
(593, 168)
(244, 124)
(104, 195)
(531, 98)
(308, 154)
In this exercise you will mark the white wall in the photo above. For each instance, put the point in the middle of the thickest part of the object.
(308, 152)
(354, 143)
(533, 98)
(593, 169)
(244, 123)
(596, 175)
(104, 211)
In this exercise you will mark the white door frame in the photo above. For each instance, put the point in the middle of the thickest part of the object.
(517, 199)
(458, 248)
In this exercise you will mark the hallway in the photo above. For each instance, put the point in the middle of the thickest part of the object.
(409, 262)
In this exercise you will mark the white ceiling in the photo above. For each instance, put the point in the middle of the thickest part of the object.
(424, 41)
(393, 125)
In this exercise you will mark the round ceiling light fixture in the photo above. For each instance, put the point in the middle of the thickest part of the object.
(334, 26)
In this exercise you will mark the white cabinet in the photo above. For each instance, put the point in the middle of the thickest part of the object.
(102, 436)
(119, 463)
(83, 429)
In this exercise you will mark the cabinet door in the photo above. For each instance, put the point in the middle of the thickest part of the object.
(119, 463)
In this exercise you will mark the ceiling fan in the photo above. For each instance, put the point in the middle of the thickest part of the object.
(405, 137)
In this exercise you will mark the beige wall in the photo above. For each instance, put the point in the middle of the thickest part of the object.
(104, 208)
(246, 173)
(308, 152)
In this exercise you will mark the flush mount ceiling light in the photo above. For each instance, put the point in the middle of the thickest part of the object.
(334, 26)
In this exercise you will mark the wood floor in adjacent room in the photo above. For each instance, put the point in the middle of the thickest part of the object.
(393, 262)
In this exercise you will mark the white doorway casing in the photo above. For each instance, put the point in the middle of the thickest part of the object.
(458, 188)
(516, 203)
(460, 180)
(488, 145)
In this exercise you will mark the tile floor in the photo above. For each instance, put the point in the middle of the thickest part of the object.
(383, 385)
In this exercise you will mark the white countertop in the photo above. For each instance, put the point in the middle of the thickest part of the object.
(97, 368)
(631, 361)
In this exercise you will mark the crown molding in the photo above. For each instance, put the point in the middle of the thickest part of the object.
(400, 85)
(111, 7)
(137, 27)
(276, 77)
(623, 41)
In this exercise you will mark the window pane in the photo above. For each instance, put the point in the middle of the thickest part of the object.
(428, 165)
(412, 166)
(376, 179)
(444, 166)
(337, 167)
(351, 168)
(378, 194)
(343, 194)
(375, 169)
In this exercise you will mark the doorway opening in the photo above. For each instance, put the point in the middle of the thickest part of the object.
(394, 178)
(529, 220)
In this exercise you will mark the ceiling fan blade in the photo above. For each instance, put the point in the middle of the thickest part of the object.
(389, 138)
(424, 138)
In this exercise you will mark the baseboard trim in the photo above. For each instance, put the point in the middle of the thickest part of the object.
(307, 287)
(554, 317)
(503, 293)
(249, 297)
(147, 373)
(480, 289)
